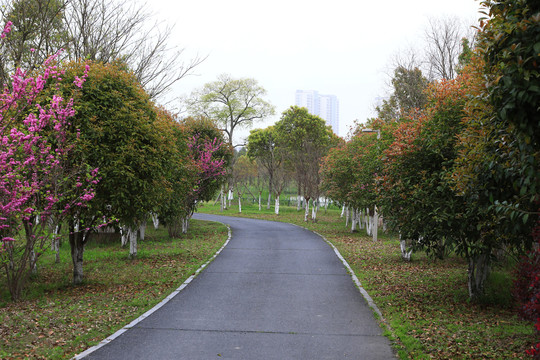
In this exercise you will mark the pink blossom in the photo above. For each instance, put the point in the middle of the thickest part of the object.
(6, 30)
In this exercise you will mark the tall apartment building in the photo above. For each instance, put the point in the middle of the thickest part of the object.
(325, 106)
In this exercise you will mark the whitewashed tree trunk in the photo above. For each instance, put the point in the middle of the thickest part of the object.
(55, 244)
(33, 257)
(132, 234)
(314, 209)
(142, 230)
(124, 231)
(361, 219)
(269, 200)
(375, 225)
(405, 254)
(33, 262)
(239, 204)
(276, 207)
(185, 225)
(353, 219)
(298, 203)
(307, 211)
(230, 197)
(155, 220)
(368, 222)
(260, 201)
(222, 198)
(342, 211)
(347, 215)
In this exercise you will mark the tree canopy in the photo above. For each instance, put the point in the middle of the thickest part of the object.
(231, 103)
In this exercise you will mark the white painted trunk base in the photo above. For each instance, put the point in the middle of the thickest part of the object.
(155, 220)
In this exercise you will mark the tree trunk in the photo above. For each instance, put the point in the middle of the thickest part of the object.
(314, 210)
(132, 234)
(479, 267)
(353, 219)
(347, 214)
(375, 224)
(76, 242)
(239, 204)
(276, 207)
(368, 222)
(155, 220)
(56, 250)
(15, 270)
(342, 211)
(174, 227)
(298, 196)
(405, 254)
(270, 189)
(185, 225)
(222, 199)
(307, 210)
(124, 235)
(142, 230)
(55, 243)
(32, 262)
(260, 200)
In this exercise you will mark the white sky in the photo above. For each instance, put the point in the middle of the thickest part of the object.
(338, 47)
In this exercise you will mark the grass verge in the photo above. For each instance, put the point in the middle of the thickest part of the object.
(57, 320)
(424, 302)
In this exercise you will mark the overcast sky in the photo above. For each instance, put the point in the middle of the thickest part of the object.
(338, 47)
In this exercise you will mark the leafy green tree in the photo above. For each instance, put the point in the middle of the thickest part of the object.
(510, 44)
(416, 190)
(244, 172)
(409, 86)
(498, 169)
(263, 148)
(181, 177)
(231, 103)
(116, 122)
(306, 139)
(350, 171)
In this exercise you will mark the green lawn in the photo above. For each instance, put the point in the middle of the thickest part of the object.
(425, 302)
(56, 320)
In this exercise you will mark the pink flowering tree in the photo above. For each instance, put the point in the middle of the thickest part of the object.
(197, 168)
(36, 189)
(211, 156)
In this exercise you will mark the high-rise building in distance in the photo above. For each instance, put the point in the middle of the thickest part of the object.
(325, 106)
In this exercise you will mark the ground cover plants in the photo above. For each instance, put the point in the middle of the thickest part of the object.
(56, 320)
(425, 302)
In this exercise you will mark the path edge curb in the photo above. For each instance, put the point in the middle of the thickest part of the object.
(158, 305)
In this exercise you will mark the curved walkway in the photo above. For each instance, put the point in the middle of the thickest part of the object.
(276, 291)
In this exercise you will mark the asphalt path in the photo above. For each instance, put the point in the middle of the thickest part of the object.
(276, 291)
